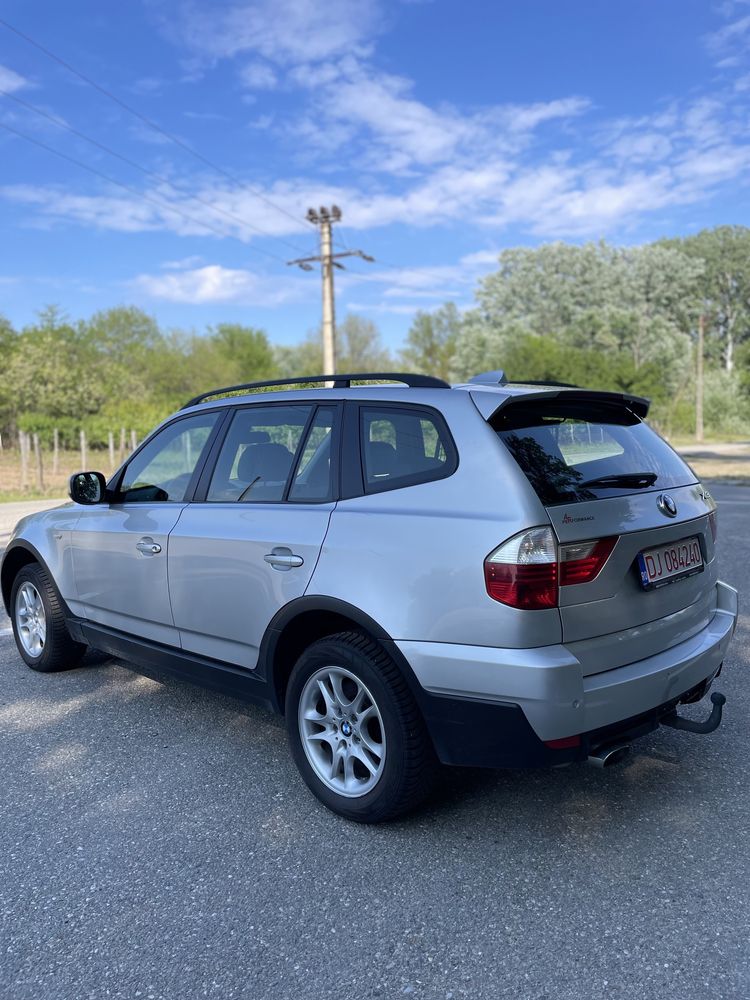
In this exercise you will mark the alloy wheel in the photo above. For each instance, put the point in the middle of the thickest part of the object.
(342, 731)
(31, 620)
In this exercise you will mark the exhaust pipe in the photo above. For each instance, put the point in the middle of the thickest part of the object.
(606, 756)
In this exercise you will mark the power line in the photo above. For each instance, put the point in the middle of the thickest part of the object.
(61, 123)
(147, 121)
(159, 202)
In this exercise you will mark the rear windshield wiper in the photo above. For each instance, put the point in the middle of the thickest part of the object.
(627, 480)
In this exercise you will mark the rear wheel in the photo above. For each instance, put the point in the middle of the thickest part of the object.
(356, 733)
(38, 622)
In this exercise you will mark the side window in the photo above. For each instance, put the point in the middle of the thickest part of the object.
(403, 447)
(162, 470)
(312, 478)
(257, 456)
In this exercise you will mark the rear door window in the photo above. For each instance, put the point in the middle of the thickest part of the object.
(584, 450)
(403, 447)
(258, 453)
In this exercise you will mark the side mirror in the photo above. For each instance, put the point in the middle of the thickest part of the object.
(87, 487)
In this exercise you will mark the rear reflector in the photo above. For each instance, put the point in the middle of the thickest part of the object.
(528, 569)
(565, 743)
(714, 524)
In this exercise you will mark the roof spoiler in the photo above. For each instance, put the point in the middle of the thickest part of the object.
(488, 405)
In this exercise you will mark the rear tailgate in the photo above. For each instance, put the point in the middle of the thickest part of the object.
(602, 473)
(615, 619)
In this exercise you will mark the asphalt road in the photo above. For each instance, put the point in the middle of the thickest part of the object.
(156, 842)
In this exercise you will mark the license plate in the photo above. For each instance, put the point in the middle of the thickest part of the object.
(667, 563)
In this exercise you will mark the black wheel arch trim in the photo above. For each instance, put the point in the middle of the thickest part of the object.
(312, 603)
(6, 584)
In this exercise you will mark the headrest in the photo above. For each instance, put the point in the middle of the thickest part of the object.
(267, 461)
(381, 458)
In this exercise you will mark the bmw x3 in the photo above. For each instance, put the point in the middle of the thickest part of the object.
(412, 573)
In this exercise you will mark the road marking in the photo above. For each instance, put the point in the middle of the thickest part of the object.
(6, 631)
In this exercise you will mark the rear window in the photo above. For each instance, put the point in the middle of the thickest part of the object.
(577, 451)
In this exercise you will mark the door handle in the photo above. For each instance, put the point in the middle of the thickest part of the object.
(283, 558)
(148, 547)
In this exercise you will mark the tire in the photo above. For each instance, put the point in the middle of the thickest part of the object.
(385, 762)
(40, 631)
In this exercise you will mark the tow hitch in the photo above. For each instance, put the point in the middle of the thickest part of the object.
(712, 722)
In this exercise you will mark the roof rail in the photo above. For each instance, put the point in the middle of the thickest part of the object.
(339, 382)
(490, 378)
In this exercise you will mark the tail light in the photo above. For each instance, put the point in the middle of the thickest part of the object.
(582, 562)
(522, 572)
(528, 569)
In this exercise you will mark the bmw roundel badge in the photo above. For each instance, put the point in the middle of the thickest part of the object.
(666, 505)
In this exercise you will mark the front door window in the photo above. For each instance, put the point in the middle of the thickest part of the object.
(163, 469)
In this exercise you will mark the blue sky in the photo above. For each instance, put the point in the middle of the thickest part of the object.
(445, 130)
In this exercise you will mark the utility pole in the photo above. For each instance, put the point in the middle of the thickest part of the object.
(328, 260)
(699, 381)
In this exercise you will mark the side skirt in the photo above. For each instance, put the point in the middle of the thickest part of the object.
(224, 677)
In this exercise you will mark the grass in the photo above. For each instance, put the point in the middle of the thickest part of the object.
(734, 470)
(683, 440)
(12, 487)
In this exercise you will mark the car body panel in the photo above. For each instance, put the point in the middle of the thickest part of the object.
(549, 684)
(133, 594)
(413, 558)
(223, 591)
(615, 606)
(49, 533)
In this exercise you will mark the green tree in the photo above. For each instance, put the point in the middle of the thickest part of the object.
(431, 341)
(359, 348)
(637, 301)
(53, 370)
(245, 351)
(724, 286)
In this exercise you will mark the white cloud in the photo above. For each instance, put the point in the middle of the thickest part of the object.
(287, 32)
(10, 81)
(377, 115)
(195, 260)
(729, 42)
(394, 308)
(525, 118)
(480, 258)
(641, 147)
(258, 76)
(213, 284)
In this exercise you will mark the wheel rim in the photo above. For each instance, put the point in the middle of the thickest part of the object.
(342, 731)
(31, 621)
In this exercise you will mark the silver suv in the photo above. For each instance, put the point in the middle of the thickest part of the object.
(487, 574)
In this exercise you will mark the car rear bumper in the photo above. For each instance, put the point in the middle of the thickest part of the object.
(537, 695)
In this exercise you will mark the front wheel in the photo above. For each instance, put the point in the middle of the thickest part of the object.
(38, 622)
(355, 731)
